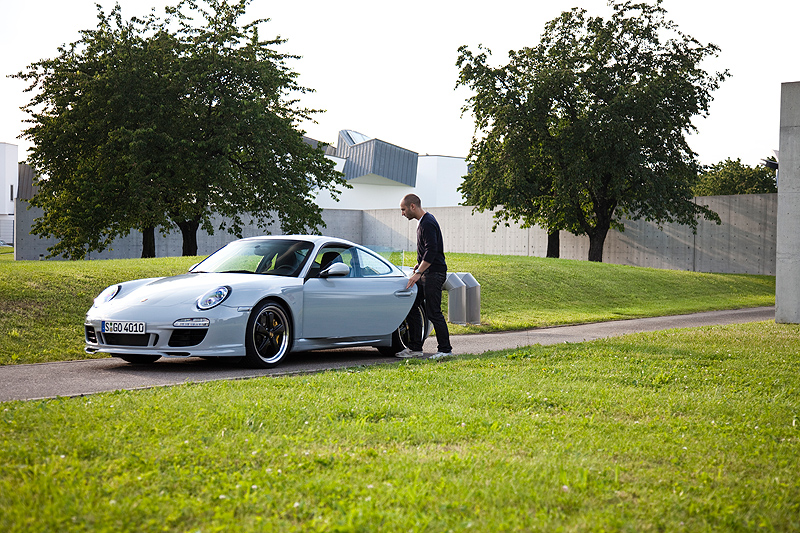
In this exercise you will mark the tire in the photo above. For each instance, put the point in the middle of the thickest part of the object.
(140, 359)
(401, 336)
(268, 337)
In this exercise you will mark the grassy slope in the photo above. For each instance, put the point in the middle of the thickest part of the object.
(523, 292)
(688, 430)
(42, 303)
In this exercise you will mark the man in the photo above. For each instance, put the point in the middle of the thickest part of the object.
(429, 275)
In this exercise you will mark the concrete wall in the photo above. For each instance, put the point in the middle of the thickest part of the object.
(787, 282)
(744, 243)
(342, 223)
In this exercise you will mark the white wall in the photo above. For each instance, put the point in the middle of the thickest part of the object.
(438, 180)
(9, 173)
(366, 196)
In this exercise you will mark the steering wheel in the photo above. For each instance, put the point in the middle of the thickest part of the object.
(282, 270)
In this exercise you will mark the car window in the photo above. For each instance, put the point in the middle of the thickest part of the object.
(279, 257)
(371, 265)
(329, 255)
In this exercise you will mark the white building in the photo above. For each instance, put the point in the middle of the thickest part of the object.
(382, 174)
(9, 186)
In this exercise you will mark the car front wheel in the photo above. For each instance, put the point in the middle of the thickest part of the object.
(268, 335)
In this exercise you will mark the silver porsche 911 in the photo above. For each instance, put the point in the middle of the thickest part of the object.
(260, 299)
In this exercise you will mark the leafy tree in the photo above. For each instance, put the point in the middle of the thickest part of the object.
(93, 108)
(160, 123)
(588, 127)
(734, 177)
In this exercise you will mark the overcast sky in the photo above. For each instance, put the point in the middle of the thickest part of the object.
(387, 69)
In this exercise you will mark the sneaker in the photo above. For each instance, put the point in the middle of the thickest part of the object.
(439, 355)
(407, 354)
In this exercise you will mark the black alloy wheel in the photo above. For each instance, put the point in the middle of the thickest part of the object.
(268, 336)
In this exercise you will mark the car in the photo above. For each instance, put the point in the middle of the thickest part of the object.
(259, 299)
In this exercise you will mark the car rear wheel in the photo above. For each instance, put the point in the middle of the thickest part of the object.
(401, 338)
(140, 359)
(268, 337)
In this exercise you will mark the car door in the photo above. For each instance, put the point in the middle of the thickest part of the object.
(372, 300)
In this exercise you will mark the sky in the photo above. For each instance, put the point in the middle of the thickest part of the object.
(387, 69)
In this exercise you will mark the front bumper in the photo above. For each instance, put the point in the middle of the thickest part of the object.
(224, 336)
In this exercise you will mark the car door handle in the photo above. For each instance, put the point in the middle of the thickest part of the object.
(405, 293)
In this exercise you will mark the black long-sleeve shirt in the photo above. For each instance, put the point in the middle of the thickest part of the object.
(430, 245)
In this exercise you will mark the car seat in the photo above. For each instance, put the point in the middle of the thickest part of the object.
(329, 258)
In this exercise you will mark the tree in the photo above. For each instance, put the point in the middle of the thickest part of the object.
(734, 177)
(91, 115)
(162, 123)
(589, 127)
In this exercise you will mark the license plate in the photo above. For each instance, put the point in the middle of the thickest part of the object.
(113, 326)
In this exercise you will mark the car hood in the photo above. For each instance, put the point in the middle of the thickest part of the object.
(185, 289)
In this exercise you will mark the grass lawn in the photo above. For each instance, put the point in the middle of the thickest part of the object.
(525, 292)
(683, 430)
(43, 303)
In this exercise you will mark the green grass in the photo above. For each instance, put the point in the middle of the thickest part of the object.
(43, 303)
(682, 430)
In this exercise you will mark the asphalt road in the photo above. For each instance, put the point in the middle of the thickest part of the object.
(78, 378)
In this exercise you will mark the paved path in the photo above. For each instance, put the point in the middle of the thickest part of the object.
(77, 378)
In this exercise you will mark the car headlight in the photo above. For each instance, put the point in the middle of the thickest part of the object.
(107, 295)
(213, 298)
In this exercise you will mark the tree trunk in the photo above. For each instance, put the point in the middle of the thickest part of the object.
(554, 244)
(596, 242)
(189, 234)
(148, 242)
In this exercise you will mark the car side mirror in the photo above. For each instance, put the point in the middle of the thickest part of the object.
(335, 270)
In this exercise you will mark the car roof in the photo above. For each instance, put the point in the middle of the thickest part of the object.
(315, 239)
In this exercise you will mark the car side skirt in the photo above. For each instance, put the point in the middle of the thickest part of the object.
(305, 345)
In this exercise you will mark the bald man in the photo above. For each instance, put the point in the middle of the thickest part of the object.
(429, 275)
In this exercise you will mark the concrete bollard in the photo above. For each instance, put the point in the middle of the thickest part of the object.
(456, 299)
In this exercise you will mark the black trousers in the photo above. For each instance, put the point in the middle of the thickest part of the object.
(430, 293)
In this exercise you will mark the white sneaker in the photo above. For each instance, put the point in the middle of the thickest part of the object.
(439, 355)
(408, 354)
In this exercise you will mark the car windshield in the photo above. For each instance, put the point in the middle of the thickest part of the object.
(278, 257)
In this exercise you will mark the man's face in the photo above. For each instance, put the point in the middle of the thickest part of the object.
(407, 210)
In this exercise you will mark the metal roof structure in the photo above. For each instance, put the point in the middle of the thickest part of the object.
(369, 160)
(25, 188)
